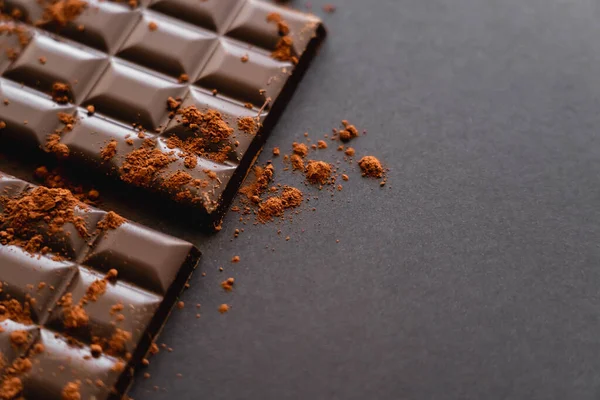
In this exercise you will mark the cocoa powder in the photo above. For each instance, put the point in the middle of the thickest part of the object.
(318, 172)
(109, 151)
(371, 167)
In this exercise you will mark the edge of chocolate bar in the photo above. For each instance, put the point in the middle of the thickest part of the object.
(157, 323)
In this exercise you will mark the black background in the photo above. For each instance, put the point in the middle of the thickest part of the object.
(473, 275)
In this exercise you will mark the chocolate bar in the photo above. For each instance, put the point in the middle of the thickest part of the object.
(83, 294)
(173, 96)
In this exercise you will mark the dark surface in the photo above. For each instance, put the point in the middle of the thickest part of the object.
(127, 71)
(153, 268)
(474, 275)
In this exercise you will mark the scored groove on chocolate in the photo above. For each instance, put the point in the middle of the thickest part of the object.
(152, 270)
(124, 63)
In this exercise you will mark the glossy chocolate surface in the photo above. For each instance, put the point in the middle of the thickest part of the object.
(126, 62)
(152, 269)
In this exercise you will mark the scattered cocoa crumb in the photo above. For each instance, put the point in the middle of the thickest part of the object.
(371, 166)
(318, 172)
(223, 308)
(227, 284)
(349, 131)
(235, 259)
(109, 151)
(42, 60)
(54, 145)
(71, 391)
(152, 26)
(118, 340)
(91, 109)
(96, 350)
(329, 8)
(183, 78)
(276, 151)
(350, 152)
(74, 316)
(345, 177)
(245, 58)
(282, 26)
(61, 93)
(19, 338)
(173, 104)
(2, 124)
(321, 144)
(154, 349)
(284, 49)
(262, 177)
(180, 305)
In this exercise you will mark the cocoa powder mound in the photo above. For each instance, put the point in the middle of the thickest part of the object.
(177, 180)
(109, 151)
(318, 172)
(53, 207)
(297, 162)
(111, 220)
(12, 309)
(270, 208)
(11, 387)
(142, 166)
(291, 197)
(210, 123)
(247, 125)
(371, 167)
(300, 148)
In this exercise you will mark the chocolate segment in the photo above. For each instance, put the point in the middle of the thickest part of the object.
(83, 306)
(124, 74)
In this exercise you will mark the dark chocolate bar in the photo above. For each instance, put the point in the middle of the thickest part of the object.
(78, 313)
(174, 96)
